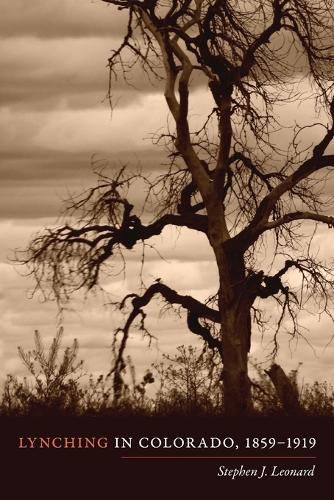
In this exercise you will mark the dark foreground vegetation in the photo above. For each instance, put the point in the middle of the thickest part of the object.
(188, 383)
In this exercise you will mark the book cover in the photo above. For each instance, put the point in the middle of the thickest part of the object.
(166, 252)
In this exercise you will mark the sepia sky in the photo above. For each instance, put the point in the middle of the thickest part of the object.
(55, 122)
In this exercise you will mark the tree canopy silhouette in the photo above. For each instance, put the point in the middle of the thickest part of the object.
(231, 179)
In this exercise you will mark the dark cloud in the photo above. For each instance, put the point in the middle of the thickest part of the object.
(37, 166)
(30, 203)
(59, 18)
(54, 54)
(29, 167)
(71, 73)
(35, 184)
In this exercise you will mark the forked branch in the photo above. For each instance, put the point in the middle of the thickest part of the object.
(196, 311)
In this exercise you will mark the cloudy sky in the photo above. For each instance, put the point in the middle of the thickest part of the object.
(55, 119)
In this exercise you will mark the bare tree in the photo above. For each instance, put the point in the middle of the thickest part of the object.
(227, 179)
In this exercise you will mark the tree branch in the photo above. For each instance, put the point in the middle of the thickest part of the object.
(172, 297)
(250, 234)
(194, 308)
(300, 216)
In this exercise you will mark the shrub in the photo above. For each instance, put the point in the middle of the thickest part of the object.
(188, 383)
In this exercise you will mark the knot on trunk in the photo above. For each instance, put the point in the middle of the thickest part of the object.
(272, 285)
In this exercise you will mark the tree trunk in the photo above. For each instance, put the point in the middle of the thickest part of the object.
(235, 339)
(234, 304)
(235, 300)
(286, 390)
